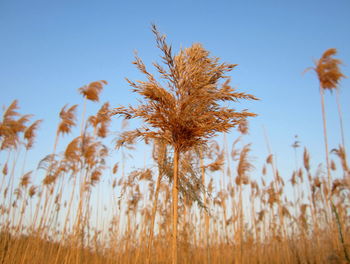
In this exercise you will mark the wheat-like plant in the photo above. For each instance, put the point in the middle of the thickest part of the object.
(184, 107)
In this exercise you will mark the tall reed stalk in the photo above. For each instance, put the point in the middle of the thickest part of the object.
(329, 75)
(188, 113)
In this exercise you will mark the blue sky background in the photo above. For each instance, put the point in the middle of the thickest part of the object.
(49, 49)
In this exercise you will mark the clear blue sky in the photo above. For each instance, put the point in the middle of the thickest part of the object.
(48, 49)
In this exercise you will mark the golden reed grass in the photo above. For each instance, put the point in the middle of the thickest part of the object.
(196, 203)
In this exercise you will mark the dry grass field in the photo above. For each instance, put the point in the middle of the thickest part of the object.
(197, 203)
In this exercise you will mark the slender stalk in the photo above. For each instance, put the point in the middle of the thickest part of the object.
(10, 184)
(175, 205)
(241, 224)
(45, 186)
(341, 234)
(276, 182)
(4, 175)
(22, 210)
(83, 118)
(206, 213)
(325, 137)
(154, 211)
(74, 175)
(340, 118)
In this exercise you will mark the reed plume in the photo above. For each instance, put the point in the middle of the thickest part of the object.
(67, 119)
(92, 90)
(329, 75)
(30, 132)
(10, 128)
(189, 111)
(101, 121)
(328, 71)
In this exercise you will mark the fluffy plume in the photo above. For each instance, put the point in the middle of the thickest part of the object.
(29, 134)
(92, 91)
(218, 163)
(101, 121)
(95, 177)
(243, 127)
(5, 169)
(340, 152)
(10, 128)
(67, 119)
(115, 168)
(32, 191)
(11, 112)
(25, 180)
(269, 159)
(306, 158)
(327, 69)
(244, 166)
(188, 113)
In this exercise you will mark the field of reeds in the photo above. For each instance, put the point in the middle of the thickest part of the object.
(195, 201)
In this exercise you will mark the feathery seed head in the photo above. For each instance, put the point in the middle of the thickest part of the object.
(32, 191)
(67, 119)
(29, 133)
(306, 157)
(327, 69)
(188, 113)
(5, 169)
(92, 91)
(25, 180)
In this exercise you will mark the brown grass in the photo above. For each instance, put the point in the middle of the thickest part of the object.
(84, 205)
